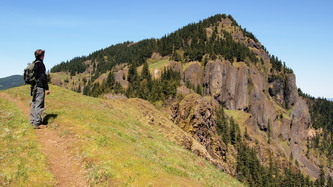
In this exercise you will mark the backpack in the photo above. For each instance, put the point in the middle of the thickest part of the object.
(29, 74)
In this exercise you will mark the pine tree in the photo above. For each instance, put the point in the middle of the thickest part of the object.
(132, 74)
(145, 74)
(110, 80)
(235, 135)
(86, 90)
(222, 125)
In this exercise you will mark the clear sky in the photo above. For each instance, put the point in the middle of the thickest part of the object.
(299, 32)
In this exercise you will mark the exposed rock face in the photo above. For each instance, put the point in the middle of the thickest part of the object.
(267, 96)
(212, 82)
(276, 88)
(175, 66)
(195, 116)
(239, 87)
(227, 84)
(193, 73)
(283, 89)
(285, 130)
(290, 92)
(262, 109)
(120, 76)
(301, 121)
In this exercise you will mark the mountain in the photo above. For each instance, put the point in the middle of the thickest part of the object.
(330, 99)
(117, 142)
(11, 81)
(221, 86)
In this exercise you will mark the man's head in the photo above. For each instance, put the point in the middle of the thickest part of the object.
(39, 54)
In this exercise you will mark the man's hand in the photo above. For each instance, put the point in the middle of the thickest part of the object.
(48, 92)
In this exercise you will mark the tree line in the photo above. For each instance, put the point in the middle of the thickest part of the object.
(321, 111)
(139, 85)
(191, 39)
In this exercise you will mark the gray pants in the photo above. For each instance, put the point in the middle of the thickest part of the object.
(37, 106)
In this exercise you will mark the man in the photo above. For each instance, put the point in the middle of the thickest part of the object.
(38, 90)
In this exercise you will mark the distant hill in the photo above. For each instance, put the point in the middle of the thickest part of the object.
(330, 99)
(11, 81)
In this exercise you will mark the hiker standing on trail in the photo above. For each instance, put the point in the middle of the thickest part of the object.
(38, 89)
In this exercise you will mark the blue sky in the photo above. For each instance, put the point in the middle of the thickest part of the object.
(299, 32)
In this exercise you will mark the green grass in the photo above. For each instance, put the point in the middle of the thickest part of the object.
(239, 116)
(21, 160)
(159, 64)
(118, 146)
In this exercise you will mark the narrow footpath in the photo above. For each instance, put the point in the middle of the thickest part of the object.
(62, 164)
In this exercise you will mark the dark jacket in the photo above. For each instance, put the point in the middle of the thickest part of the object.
(40, 73)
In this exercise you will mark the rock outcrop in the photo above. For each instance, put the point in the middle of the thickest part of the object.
(193, 74)
(267, 96)
(195, 116)
(227, 84)
(290, 91)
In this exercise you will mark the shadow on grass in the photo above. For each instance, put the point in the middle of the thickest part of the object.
(48, 118)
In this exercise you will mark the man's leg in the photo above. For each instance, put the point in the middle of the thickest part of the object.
(38, 106)
(32, 111)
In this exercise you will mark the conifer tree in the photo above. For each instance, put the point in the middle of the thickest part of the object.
(145, 72)
(222, 125)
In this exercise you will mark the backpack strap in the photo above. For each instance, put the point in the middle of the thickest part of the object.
(37, 79)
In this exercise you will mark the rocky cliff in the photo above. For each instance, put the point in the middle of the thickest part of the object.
(239, 87)
(230, 68)
(269, 97)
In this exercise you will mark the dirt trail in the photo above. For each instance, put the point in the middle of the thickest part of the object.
(61, 163)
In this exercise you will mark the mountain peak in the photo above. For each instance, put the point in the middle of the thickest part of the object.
(194, 72)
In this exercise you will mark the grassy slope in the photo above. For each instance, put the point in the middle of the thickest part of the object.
(118, 145)
(21, 160)
(159, 64)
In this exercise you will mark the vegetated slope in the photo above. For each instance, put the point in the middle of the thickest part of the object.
(223, 62)
(22, 162)
(11, 81)
(124, 142)
(321, 141)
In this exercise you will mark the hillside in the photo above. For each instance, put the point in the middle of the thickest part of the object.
(11, 81)
(221, 86)
(116, 142)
